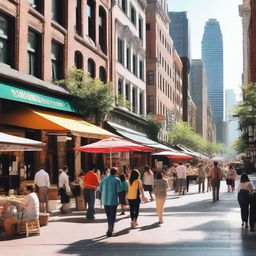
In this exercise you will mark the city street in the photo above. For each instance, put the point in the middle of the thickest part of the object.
(193, 225)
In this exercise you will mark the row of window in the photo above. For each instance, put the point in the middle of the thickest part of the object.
(34, 52)
(129, 60)
(130, 93)
(59, 14)
(131, 13)
(165, 43)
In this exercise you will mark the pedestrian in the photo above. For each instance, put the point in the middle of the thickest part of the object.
(64, 190)
(148, 180)
(160, 187)
(30, 205)
(42, 182)
(201, 178)
(181, 181)
(230, 179)
(244, 189)
(91, 182)
(216, 176)
(123, 193)
(110, 186)
(134, 190)
(209, 181)
(188, 176)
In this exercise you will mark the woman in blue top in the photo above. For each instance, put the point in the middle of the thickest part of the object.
(123, 193)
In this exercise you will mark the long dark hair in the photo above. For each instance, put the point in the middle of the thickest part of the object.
(134, 176)
(244, 178)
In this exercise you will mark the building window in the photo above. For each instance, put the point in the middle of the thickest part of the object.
(91, 19)
(79, 17)
(79, 63)
(148, 26)
(134, 64)
(151, 78)
(102, 29)
(33, 51)
(151, 104)
(37, 5)
(57, 61)
(128, 58)
(120, 86)
(141, 68)
(133, 15)
(91, 67)
(120, 48)
(134, 99)
(141, 103)
(7, 41)
(123, 5)
(58, 10)
(102, 74)
(140, 28)
(127, 92)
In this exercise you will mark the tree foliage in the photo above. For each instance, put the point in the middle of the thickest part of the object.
(153, 128)
(239, 146)
(92, 97)
(182, 134)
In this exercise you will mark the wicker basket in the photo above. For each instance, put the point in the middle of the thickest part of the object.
(43, 219)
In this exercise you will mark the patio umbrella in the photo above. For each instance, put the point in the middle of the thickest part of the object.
(174, 155)
(111, 145)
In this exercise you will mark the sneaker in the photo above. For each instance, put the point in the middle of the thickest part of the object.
(109, 234)
(122, 213)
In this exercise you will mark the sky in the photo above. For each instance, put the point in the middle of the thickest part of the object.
(226, 12)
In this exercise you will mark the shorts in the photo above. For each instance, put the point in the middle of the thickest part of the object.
(64, 198)
(181, 182)
(121, 197)
(148, 188)
(43, 194)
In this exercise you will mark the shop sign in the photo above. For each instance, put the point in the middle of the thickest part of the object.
(10, 92)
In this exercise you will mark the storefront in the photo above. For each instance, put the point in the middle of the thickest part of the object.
(44, 113)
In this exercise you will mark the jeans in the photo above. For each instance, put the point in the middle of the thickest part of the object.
(110, 211)
(134, 208)
(89, 197)
(200, 184)
(243, 200)
(215, 189)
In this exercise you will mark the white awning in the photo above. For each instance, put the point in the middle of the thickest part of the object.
(14, 143)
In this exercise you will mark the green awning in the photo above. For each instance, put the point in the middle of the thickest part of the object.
(15, 93)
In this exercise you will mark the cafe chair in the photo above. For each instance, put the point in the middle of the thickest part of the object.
(29, 227)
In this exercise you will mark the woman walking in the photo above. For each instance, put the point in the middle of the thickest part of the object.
(160, 188)
(148, 180)
(133, 196)
(244, 189)
(230, 179)
(122, 195)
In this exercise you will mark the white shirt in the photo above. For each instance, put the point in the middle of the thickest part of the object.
(148, 178)
(181, 172)
(31, 207)
(64, 181)
(42, 179)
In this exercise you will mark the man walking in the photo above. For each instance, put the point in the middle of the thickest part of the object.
(201, 178)
(91, 182)
(181, 175)
(42, 181)
(110, 186)
(216, 176)
(64, 189)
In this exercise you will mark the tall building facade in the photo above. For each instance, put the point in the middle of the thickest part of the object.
(164, 68)
(39, 41)
(232, 125)
(179, 32)
(212, 56)
(199, 95)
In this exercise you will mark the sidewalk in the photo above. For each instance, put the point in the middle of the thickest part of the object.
(194, 225)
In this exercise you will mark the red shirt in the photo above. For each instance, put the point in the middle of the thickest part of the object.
(91, 180)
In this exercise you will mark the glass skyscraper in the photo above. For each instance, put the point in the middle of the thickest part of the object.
(212, 56)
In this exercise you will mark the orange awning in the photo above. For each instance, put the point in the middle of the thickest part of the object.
(53, 121)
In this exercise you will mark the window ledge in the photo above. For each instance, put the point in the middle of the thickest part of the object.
(59, 27)
(36, 13)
